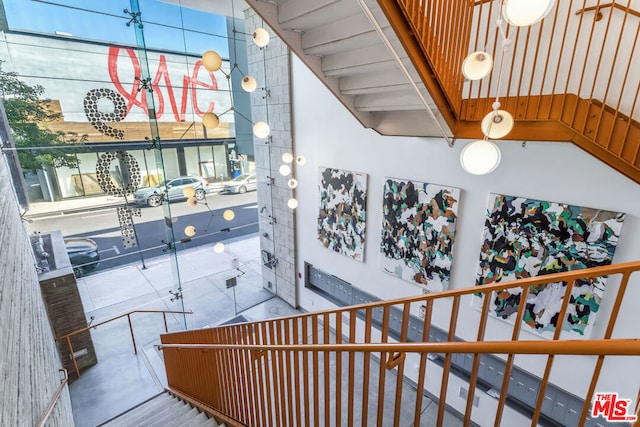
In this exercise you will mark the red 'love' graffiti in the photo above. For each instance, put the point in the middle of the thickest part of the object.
(137, 97)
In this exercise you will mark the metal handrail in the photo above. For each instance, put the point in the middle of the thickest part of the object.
(56, 397)
(612, 5)
(610, 347)
(128, 316)
(567, 276)
(255, 372)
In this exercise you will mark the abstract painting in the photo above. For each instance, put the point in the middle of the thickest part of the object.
(418, 231)
(527, 238)
(341, 220)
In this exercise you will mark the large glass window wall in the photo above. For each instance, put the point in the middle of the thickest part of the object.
(125, 91)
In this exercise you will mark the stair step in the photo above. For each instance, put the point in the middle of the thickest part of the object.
(182, 416)
(162, 417)
(163, 410)
(199, 420)
(149, 407)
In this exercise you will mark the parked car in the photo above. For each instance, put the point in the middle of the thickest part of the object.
(83, 254)
(241, 184)
(152, 196)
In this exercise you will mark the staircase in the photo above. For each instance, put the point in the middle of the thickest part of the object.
(344, 43)
(161, 411)
(396, 66)
(348, 366)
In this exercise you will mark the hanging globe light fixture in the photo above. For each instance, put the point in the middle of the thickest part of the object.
(477, 65)
(211, 60)
(284, 170)
(480, 157)
(190, 231)
(249, 84)
(189, 192)
(497, 124)
(261, 130)
(210, 120)
(261, 37)
(287, 158)
(522, 13)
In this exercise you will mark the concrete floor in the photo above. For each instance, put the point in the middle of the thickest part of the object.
(123, 379)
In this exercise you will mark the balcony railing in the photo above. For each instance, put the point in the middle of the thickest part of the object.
(572, 77)
(70, 335)
(332, 367)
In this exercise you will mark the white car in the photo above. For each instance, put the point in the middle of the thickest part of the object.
(241, 184)
(152, 196)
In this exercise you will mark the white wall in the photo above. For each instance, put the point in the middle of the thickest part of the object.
(328, 135)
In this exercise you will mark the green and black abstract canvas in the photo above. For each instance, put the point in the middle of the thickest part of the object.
(418, 232)
(527, 238)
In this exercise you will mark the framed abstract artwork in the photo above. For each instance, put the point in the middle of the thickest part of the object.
(342, 213)
(527, 238)
(418, 231)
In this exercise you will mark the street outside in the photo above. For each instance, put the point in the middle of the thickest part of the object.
(103, 227)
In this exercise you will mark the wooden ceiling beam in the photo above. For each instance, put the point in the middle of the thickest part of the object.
(535, 130)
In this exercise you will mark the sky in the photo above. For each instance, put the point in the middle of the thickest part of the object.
(165, 26)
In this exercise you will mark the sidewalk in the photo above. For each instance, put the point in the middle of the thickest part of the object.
(78, 204)
(122, 379)
(88, 203)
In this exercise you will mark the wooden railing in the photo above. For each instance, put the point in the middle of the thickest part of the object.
(56, 397)
(67, 337)
(572, 77)
(330, 367)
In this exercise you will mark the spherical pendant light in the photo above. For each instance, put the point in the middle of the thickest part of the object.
(477, 65)
(284, 170)
(292, 203)
(480, 157)
(218, 247)
(301, 160)
(210, 120)
(292, 183)
(189, 231)
(497, 124)
(261, 130)
(189, 192)
(287, 158)
(192, 201)
(211, 60)
(228, 215)
(522, 13)
(249, 84)
(261, 37)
